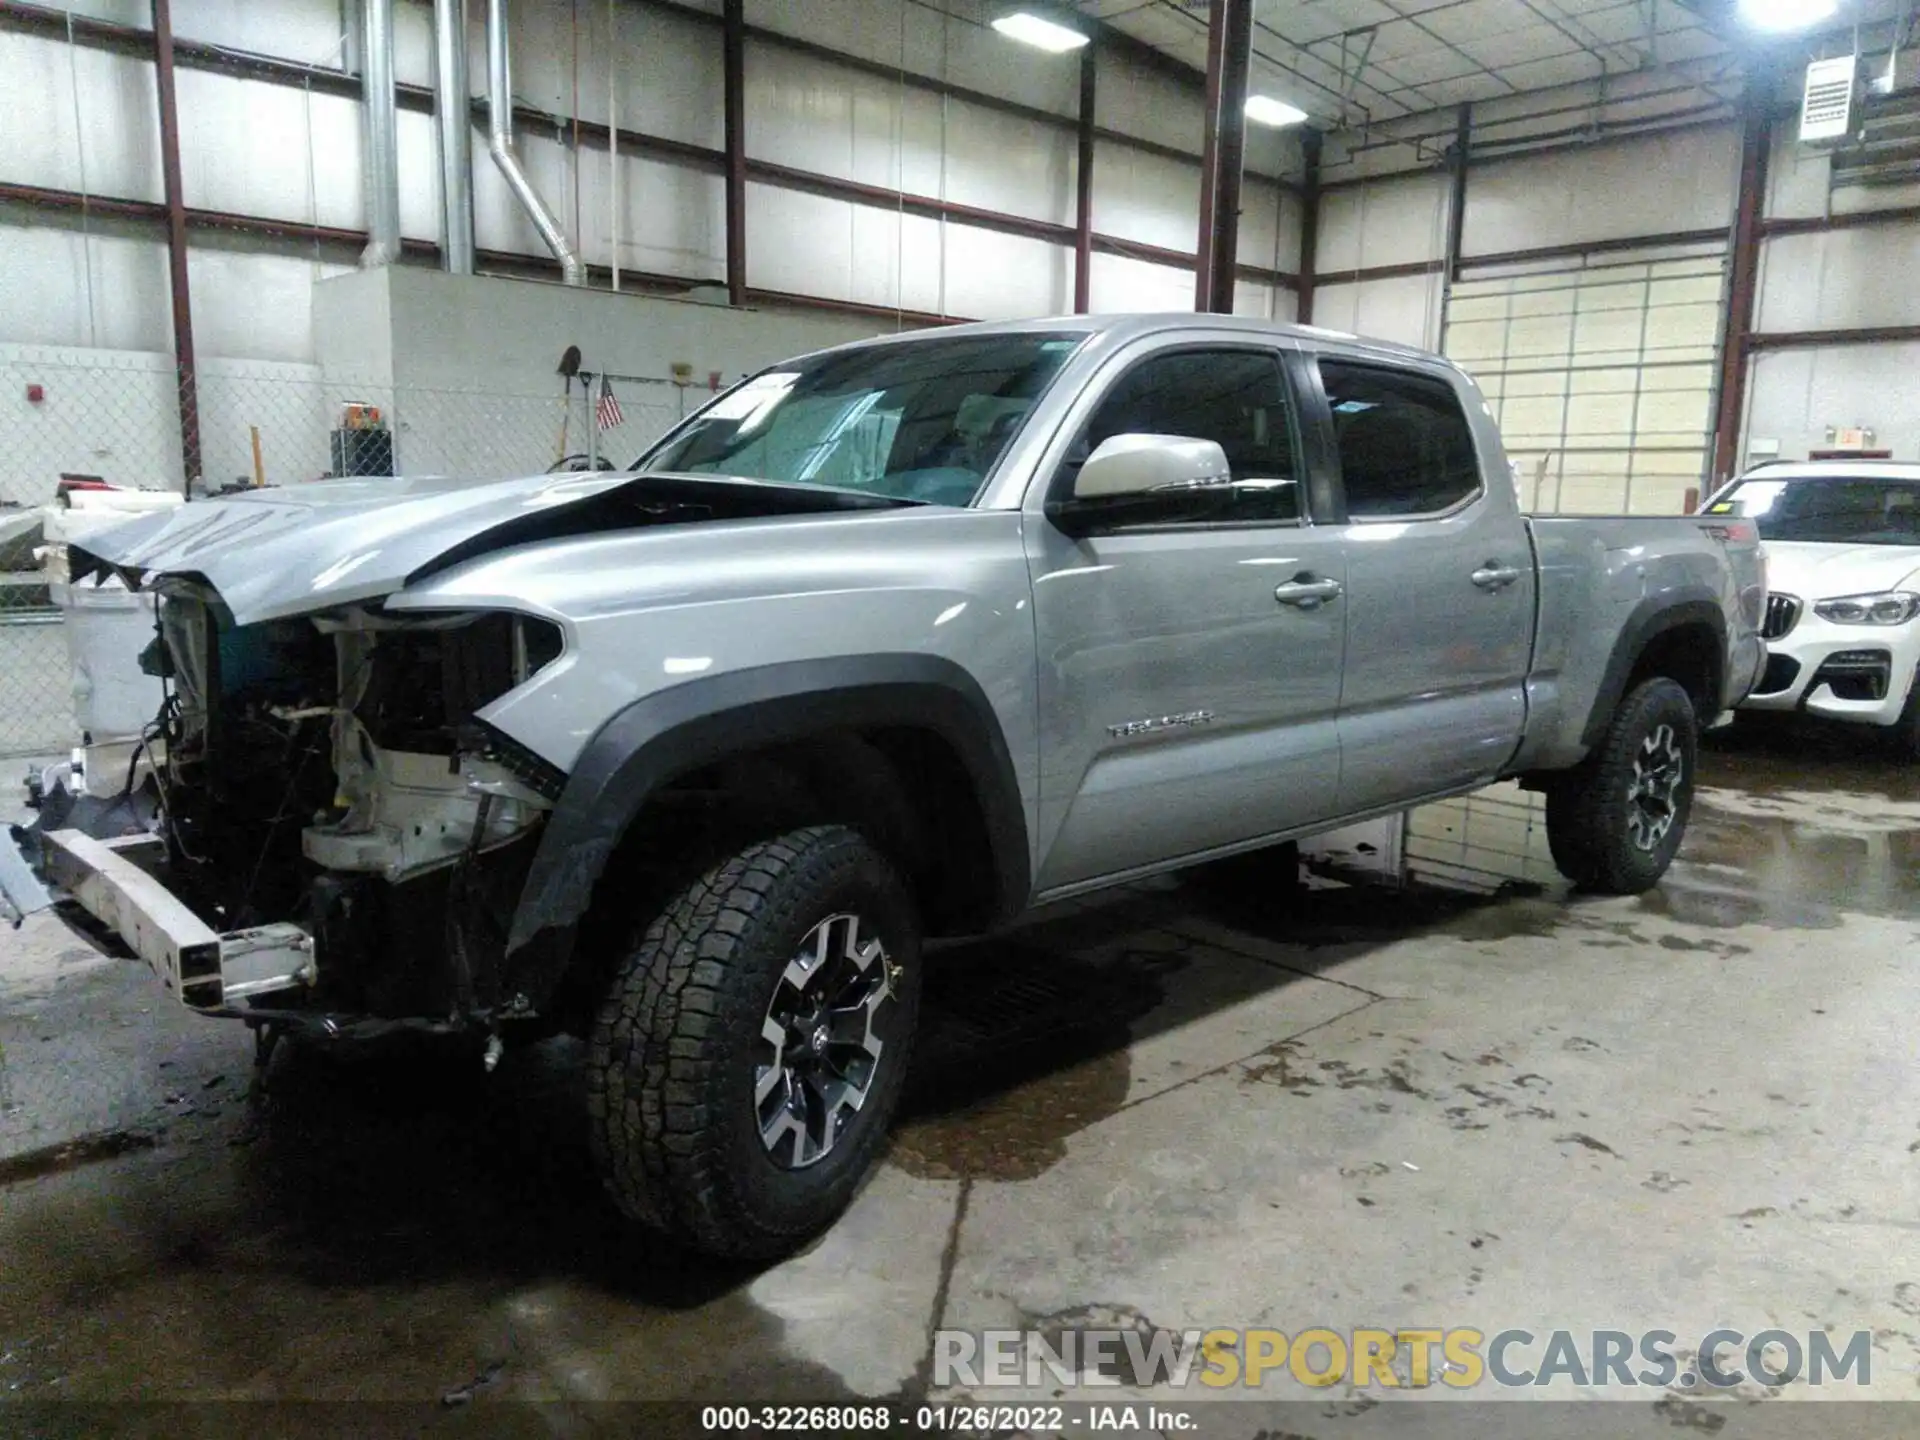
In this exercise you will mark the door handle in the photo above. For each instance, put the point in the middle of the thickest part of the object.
(1495, 576)
(1303, 592)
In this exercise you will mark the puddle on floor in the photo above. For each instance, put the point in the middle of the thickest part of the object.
(392, 1228)
(1013, 1130)
(1795, 826)
(1023, 1047)
(386, 1227)
(1789, 831)
(1787, 873)
(1766, 755)
(386, 1224)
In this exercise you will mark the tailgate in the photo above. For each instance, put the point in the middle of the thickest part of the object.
(1741, 540)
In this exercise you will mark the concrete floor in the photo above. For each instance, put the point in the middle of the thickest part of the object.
(1405, 1104)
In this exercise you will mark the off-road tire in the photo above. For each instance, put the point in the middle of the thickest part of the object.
(672, 1058)
(1590, 808)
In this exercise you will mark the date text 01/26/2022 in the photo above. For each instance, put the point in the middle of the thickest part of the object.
(965, 1420)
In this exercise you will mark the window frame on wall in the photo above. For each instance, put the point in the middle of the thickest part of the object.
(1293, 404)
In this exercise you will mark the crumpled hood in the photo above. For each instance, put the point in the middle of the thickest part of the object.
(276, 552)
(1819, 571)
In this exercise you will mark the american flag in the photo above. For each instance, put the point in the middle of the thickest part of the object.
(607, 412)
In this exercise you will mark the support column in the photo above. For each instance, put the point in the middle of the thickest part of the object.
(453, 128)
(734, 87)
(1229, 54)
(1457, 207)
(1736, 326)
(381, 181)
(176, 243)
(1083, 184)
(1310, 142)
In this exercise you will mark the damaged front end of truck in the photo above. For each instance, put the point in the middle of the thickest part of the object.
(337, 840)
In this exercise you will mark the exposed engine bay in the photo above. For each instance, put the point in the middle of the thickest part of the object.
(338, 841)
(327, 772)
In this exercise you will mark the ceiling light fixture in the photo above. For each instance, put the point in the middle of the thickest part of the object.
(1786, 14)
(1265, 110)
(1032, 30)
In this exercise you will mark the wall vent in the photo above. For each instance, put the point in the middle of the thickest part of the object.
(1826, 109)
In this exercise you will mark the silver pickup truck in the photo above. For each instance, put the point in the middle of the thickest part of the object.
(888, 643)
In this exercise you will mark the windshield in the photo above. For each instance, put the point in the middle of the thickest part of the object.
(923, 420)
(1838, 509)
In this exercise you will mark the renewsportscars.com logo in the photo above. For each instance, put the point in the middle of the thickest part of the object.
(1460, 1357)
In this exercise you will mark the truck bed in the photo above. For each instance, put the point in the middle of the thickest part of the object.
(1596, 573)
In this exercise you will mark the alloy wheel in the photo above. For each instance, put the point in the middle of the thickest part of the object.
(1653, 798)
(820, 1051)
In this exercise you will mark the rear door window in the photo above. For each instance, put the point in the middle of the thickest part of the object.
(1406, 449)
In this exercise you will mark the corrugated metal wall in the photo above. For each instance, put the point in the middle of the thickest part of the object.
(1833, 281)
(288, 152)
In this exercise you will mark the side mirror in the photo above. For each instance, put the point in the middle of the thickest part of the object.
(1143, 464)
(1131, 478)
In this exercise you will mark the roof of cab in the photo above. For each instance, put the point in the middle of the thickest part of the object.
(1128, 326)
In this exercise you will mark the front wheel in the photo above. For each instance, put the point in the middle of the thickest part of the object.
(1615, 822)
(751, 1050)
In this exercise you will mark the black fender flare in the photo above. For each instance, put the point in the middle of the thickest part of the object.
(668, 733)
(1650, 619)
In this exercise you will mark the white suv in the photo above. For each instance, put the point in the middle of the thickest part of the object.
(1843, 576)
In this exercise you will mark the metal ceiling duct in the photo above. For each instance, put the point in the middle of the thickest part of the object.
(383, 138)
(500, 146)
(453, 118)
(1884, 148)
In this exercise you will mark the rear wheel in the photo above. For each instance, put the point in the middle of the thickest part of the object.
(1615, 822)
(750, 1053)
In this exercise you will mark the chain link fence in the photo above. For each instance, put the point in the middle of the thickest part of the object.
(75, 419)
